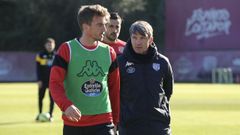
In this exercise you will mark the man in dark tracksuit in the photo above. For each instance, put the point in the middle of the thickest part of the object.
(146, 82)
(44, 60)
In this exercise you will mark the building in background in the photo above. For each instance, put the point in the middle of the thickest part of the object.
(202, 36)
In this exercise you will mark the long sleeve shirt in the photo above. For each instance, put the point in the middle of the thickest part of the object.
(44, 62)
(58, 73)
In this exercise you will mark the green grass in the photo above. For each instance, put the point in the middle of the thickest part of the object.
(18, 105)
(197, 109)
(206, 109)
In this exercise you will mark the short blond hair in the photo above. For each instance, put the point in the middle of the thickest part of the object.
(87, 12)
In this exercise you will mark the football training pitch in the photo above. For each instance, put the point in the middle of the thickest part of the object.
(197, 109)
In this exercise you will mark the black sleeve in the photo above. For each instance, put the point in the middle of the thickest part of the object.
(113, 66)
(59, 61)
(38, 67)
(38, 71)
(168, 81)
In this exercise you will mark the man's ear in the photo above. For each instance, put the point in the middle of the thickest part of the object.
(151, 40)
(85, 27)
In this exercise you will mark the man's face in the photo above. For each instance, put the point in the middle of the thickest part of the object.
(113, 29)
(49, 46)
(97, 28)
(140, 43)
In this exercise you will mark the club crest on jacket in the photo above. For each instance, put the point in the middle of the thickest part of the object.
(129, 67)
(156, 66)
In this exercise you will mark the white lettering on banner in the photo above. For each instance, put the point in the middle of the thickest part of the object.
(184, 65)
(209, 63)
(208, 23)
(5, 66)
(236, 61)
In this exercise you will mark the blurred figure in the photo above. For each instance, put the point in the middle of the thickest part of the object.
(44, 60)
(112, 33)
(146, 82)
(84, 80)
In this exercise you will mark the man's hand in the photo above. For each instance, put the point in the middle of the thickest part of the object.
(73, 113)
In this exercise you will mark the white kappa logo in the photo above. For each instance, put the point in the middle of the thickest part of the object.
(129, 64)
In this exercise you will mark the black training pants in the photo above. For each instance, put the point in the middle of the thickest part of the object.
(41, 94)
(102, 129)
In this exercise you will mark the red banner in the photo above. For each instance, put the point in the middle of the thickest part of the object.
(202, 35)
(202, 24)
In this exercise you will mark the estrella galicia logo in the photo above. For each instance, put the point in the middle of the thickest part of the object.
(92, 88)
(91, 68)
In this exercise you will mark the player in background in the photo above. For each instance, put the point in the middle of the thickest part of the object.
(44, 60)
(112, 33)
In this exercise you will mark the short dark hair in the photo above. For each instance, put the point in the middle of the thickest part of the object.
(141, 27)
(87, 12)
(115, 16)
(50, 40)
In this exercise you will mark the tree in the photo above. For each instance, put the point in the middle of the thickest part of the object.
(26, 24)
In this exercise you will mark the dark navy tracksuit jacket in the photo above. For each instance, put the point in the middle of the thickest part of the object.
(146, 88)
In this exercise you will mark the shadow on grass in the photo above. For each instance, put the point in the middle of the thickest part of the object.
(18, 123)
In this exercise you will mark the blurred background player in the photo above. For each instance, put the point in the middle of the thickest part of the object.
(112, 33)
(44, 60)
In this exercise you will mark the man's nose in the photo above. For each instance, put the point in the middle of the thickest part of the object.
(138, 42)
(105, 27)
(115, 31)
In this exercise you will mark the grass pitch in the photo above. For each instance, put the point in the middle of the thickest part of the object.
(18, 104)
(206, 109)
(197, 109)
